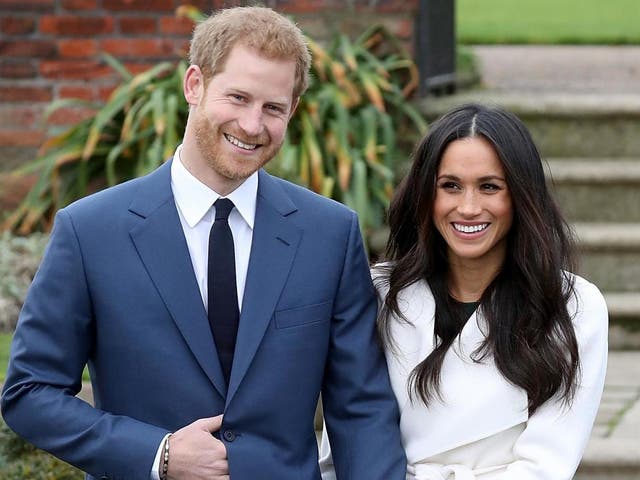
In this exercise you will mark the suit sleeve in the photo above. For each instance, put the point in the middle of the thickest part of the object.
(556, 435)
(51, 346)
(360, 410)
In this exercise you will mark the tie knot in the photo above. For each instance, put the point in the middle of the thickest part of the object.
(223, 208)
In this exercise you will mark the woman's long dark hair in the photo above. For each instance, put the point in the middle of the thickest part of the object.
(530, 332)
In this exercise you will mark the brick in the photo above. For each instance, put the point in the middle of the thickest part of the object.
(77, 48)
(182, 48)
(24, 116)
(14, 187)
(27, 48)
(387, 6)
(138, 67)
(10, 93)
(22, 138)
(232, 3)
(130, 47)
(17, 25)
(404, 28)
(17, 69)
(310, 6)
(176, 26)
(79, 4)
(138, 5)
(27, 5)
(400, 26)
(71, 25)
(76, 91)
(70, 116)
(74, 69)
(105, 91)
(406, 6)
(138, 25)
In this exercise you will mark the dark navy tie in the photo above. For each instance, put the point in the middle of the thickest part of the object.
(222, 291)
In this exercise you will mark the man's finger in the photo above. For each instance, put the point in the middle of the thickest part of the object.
(211, 424)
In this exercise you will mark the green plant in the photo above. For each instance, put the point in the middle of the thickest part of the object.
(342, 141)
(130, 135)
(20, 460)
(18, 263)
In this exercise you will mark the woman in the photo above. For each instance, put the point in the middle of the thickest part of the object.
(496, 353)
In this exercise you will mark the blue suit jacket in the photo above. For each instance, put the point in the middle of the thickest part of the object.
(116, 290)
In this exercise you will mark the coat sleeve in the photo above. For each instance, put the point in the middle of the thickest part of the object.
(51, 346)
(360, 410)
(556, 435)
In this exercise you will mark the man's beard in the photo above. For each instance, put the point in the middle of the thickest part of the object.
(210, 143)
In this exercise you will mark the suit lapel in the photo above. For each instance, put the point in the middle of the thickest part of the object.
(163, 249)
(274, 244)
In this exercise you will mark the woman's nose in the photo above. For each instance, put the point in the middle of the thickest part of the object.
(469, 205)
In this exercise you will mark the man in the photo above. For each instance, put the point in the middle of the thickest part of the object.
(209, 299)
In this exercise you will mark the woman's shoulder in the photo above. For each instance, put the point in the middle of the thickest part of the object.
(381, 272)
(587, 307)
(585, 293)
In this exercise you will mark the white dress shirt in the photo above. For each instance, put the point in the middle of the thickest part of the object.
(195, 207)
(194, 201)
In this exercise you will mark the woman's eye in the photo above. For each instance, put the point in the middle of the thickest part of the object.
(490, 187)
(449, 185)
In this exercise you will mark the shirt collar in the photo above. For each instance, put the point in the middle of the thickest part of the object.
(194, 198)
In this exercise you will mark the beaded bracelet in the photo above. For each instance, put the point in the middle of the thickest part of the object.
(164, 469)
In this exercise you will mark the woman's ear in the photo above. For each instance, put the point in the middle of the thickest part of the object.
(193, 85)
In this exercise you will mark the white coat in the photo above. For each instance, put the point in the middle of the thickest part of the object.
(481, 429)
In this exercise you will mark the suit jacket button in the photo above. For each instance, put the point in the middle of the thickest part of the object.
(229, 435)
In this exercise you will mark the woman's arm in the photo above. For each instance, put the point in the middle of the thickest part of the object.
(556, 435)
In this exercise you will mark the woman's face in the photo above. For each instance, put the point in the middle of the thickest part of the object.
(473, 210)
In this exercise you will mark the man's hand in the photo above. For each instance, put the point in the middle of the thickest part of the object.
(195, 454)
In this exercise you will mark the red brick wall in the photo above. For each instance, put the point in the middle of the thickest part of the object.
(50, 49)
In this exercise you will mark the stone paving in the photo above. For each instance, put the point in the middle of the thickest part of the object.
(615, 441)
(569, 68)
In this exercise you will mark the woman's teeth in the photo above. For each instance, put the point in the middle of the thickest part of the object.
(470, 228)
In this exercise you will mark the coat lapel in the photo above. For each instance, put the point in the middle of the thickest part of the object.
(163, 249)
(274, 244)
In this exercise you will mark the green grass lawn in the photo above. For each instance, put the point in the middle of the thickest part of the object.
(5, 343)
(548, 21)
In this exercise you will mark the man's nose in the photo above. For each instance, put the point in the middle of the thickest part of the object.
(251, 121)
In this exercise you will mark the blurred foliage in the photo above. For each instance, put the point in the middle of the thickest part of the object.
(18, 263)
(343, 141)
(20, 460)
(132, 134)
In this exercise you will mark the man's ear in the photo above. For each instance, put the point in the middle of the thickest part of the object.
(193, 85)
(296, 102)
